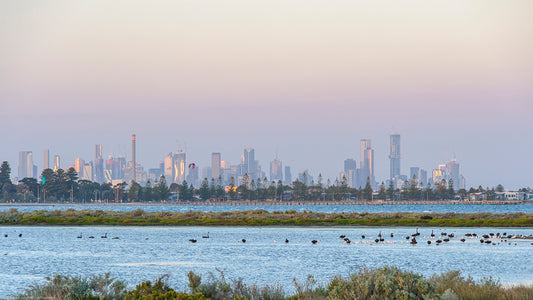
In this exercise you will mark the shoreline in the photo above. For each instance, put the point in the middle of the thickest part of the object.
(275, 203)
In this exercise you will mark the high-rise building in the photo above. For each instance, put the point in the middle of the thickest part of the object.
(288, 175)
(215, 165)
(367, 164)
(115, 168)
(423, 176)
(249, 162)
(394, 156)
(305, 177)
(207, 173)
(180, 161)
(414, 172)
(169, 167)
(133, 162)
(276, 172)
(192, 177)
(78, 166)
(57, 162)
(46, 161)
(87, 172)
(26, 165)
(98, 171)
(350, 171)
(452, 172)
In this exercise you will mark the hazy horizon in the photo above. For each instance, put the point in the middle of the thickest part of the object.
(304, 79)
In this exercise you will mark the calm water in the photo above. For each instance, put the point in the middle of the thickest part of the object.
(458, 208)
(144, 253)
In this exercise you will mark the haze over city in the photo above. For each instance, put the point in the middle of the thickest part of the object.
(306, 82)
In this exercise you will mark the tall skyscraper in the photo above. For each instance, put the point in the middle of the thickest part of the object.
(87, 172)
(423, 176)
(25, 164)
(180, 161)
(133, 163)
(98, 171)
(57, 162)
(452, 173)
(350, 171)
(367, 163)
(288, 175)
(215, 164)
(78, 166)
(394, 156)
(169, 167)
(275, 170)
(414, 172)
(46, 161)
(249, 162)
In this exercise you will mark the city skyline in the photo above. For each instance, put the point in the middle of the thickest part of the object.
(307, 81)
(174, 167)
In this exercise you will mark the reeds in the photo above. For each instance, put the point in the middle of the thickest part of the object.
(386, 282)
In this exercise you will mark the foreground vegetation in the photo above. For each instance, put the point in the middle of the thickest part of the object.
(381, 283)
(262, 218)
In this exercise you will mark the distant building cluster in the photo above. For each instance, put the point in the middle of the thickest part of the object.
(176, 169)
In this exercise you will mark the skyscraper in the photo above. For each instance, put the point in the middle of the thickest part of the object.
(275, 170)
(133, 164)
(249, 162)
(180, 161)
(98, 171)
(452, 173)
(78, 166)
(57, 162)
(350, 171)
(46, 161)
(215, 164)
(414, 172)
(367, 163)
(169, 167)
(25, 164)
(423, 176)
(394, 156)
(288, 175)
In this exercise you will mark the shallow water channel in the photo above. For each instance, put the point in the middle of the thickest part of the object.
(144, 253)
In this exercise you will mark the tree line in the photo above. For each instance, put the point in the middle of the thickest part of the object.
(65, 186)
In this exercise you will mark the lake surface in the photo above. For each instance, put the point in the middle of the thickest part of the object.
(145, 253)
(421, 208)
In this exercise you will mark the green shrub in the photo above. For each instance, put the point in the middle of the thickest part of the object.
(382, 283)
(76, 287)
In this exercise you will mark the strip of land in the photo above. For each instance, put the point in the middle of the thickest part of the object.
(269, 202)
(262, 218)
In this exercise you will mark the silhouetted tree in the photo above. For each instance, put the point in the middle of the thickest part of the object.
(203, 191)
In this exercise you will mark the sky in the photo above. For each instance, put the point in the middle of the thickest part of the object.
(304, 79)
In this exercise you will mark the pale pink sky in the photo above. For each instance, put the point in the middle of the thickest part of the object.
(308, 78)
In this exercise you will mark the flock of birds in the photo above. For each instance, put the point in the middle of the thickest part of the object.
(413, 239)
(444, 237)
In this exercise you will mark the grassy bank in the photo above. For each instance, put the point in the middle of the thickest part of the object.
(261, 218)
(381, 283)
